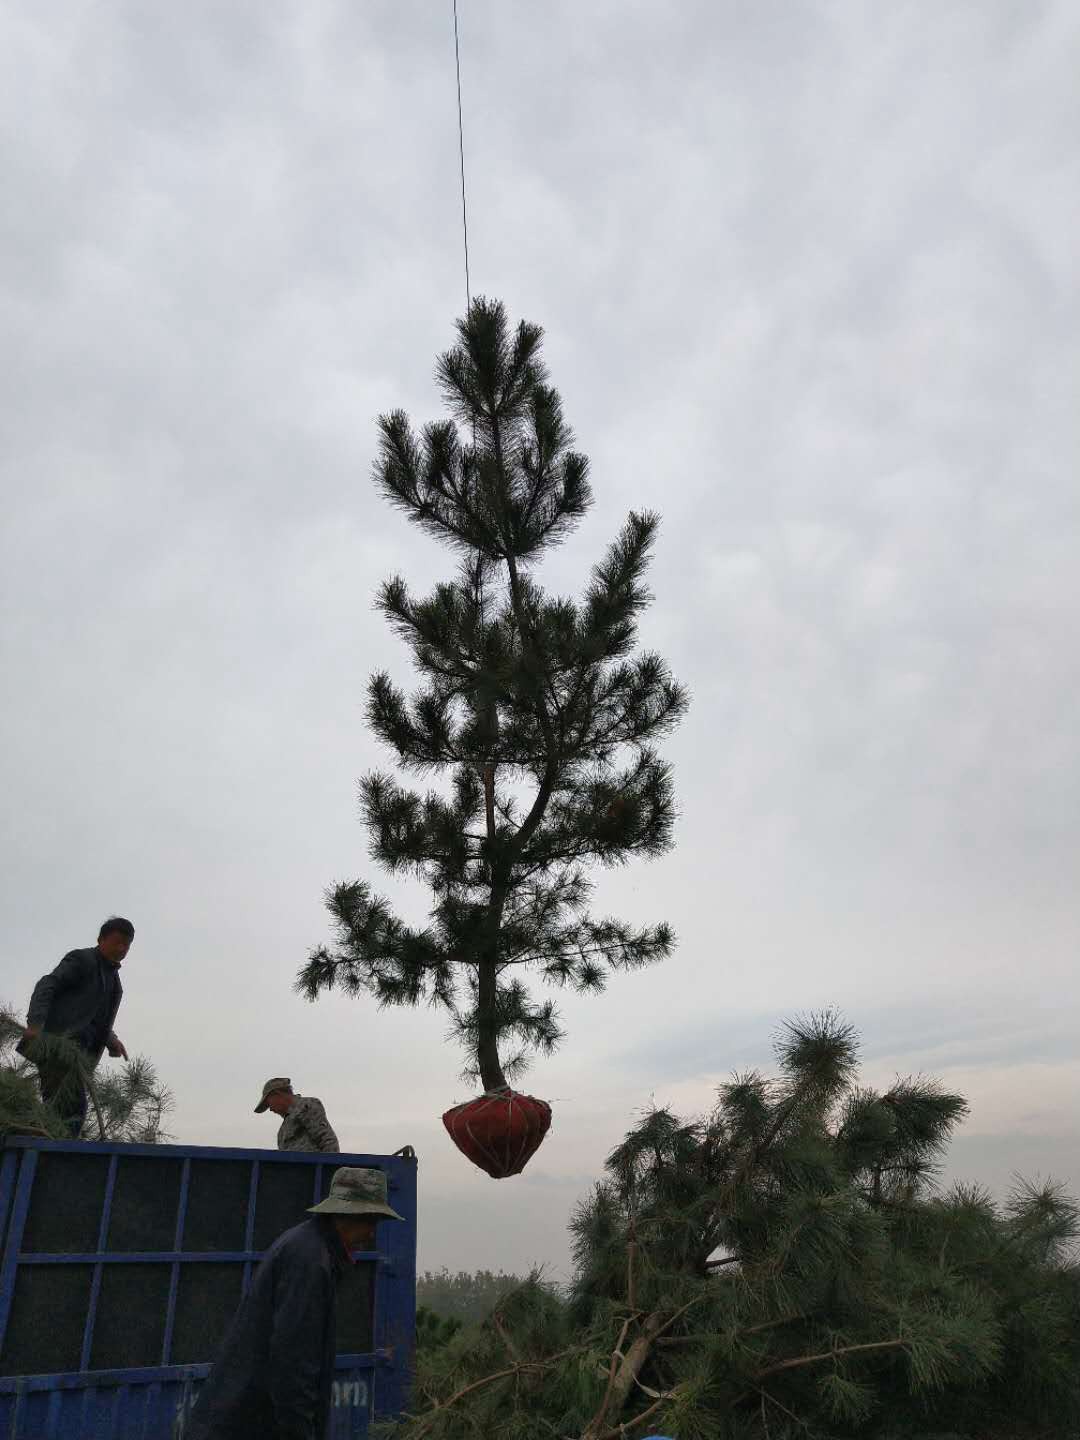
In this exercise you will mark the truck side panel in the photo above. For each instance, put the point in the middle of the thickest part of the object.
(122, 1265)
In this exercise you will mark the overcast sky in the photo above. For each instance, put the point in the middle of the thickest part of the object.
(808, 276)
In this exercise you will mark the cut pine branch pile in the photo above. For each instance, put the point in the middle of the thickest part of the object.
(855, 1299)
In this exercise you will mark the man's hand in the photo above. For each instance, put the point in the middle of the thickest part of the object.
(28, 1046)
(116, 1048)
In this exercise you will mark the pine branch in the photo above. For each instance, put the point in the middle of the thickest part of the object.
(522, 1367)
(799, 1361)
(622, 1430)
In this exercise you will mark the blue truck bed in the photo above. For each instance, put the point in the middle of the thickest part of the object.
(123, 1264)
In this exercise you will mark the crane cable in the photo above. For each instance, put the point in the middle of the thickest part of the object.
(488, 769)
(461, 152)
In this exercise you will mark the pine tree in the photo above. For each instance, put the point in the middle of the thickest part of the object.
(127, 1103)
(783, 1268)
(535, 707)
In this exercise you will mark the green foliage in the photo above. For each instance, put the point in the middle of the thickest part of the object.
(433, 1330)
(534, 707)
(134, 1103)
(784, 1267)
(129, 1102)
(22, 1111)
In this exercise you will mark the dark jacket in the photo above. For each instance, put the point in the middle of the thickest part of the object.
(71, 998)
(273, 1373)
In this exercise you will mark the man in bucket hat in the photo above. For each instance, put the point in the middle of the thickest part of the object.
(304, 1125)
(272, 1377)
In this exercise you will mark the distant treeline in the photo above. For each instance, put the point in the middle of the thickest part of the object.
(463, 1295)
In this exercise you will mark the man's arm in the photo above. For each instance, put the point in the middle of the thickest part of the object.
(71, 971)
(303, 1297)
(115, 1046)
(319, 1127)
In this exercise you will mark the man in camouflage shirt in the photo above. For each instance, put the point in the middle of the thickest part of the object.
(304, 1125)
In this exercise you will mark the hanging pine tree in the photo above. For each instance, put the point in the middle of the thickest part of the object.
(538, 710)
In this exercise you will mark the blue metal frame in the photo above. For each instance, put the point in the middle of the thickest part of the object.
(12, 1236)
(9, 1163)
(174, 1278)
(376, 1383)
(95, 1284)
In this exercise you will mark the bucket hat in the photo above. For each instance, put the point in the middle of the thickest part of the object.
(356, 1191)
(279, 1082)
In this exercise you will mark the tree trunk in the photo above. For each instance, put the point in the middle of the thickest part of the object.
(622, 1379)
(487, 1038)
(487, 1034)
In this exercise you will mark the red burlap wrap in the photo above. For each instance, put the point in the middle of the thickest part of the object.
(500, 1131)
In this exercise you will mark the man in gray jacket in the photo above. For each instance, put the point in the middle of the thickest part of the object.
(78, 1001)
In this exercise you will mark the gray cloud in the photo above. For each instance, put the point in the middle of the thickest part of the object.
(808, 279)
